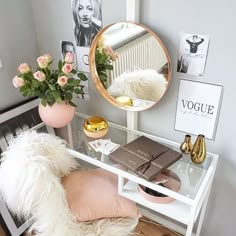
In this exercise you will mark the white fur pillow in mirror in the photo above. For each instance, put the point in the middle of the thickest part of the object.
(30, 185)
(143, 84)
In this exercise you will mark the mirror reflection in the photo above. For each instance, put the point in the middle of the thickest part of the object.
(130, 66)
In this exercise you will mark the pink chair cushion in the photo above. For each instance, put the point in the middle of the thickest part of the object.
(93, 194)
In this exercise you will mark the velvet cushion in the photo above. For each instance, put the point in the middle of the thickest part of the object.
(93, 194)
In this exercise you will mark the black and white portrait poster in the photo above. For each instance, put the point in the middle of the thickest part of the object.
(192, 54)
(67, 46)
(87, 21)
(198, 108)
(87, 17)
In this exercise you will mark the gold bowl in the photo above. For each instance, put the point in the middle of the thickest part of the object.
(124, 100)
(95, 127)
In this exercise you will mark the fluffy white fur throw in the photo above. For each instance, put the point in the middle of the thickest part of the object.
(30, 185)
(142, 84)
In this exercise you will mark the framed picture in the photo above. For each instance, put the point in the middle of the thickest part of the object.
(198, 108)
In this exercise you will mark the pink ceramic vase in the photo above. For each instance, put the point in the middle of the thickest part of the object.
(58, 115)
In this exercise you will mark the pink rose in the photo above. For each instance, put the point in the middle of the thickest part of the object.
(24, 68)
(48, 58)
(69, 57)
(62, 81)
(18, 82)
(108, 51)
(39, 75)
(67, 68)
(42, 62)
(114, 56)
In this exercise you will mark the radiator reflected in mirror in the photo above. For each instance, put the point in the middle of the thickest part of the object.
(130, 66)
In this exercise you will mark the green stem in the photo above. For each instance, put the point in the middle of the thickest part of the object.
(47, 83)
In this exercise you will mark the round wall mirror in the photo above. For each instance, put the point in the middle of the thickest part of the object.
(130, 66)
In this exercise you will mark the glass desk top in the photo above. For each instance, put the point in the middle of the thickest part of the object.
(190, 174)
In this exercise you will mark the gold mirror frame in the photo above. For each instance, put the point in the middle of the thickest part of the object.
(96, 79)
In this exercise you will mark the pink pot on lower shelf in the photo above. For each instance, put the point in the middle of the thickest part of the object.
(173, 183)
(58, 115)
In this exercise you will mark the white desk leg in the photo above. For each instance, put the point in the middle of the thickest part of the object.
(189, 229)
(120, 184)
(199, 227)
(191, 222)
(203, 210)
(70, 136)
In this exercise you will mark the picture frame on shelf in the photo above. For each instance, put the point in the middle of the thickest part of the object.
(198, 108)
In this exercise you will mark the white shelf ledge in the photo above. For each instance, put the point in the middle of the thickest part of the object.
(175, 210)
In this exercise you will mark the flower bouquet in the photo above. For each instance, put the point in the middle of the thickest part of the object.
(50, 85)
(104, 56)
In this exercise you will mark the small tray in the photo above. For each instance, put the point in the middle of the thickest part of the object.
(173, 183)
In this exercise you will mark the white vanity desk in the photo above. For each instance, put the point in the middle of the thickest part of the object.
(196, 180)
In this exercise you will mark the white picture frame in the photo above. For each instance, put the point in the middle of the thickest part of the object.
(198, 108)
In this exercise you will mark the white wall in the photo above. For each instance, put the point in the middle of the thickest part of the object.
(17, 45)
(168, 19)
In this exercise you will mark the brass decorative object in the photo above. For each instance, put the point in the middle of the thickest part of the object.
(198, 154)
(95, 127)
(126, 101)
(186, 147)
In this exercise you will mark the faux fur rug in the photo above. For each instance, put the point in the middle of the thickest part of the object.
(30, 185)
(142, 84)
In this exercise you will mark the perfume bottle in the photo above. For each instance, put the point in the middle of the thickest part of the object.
(186, 147)
(198, 154)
